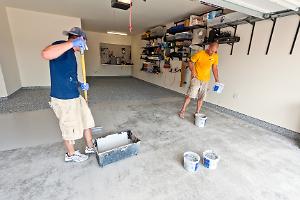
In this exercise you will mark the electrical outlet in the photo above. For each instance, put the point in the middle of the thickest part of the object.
(235, 96)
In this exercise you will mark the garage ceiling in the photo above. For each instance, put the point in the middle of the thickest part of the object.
(97, 15)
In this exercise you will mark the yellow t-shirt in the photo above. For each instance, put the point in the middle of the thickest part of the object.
(203, 63)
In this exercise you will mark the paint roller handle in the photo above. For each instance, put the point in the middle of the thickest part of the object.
(84, 75)
(84, 49)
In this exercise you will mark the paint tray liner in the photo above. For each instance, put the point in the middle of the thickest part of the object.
(115, 147)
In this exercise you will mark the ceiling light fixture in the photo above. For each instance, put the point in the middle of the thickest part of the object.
(116, 33)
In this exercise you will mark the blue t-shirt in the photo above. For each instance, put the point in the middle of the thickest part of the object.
(63, 71)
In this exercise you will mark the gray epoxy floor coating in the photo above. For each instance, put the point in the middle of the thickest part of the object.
(255, 163)
(101, 89)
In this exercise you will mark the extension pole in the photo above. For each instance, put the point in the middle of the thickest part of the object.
(83, 73)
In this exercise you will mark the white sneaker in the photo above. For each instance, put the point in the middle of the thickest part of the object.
(89, 150)
(76, 157)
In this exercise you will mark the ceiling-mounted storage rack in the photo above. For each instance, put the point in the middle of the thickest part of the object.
(271, 34)
(204, 13)
(295, 37)
(234, 24)
(252, 20)
(224, 40)
(274, 17)
(251, 37)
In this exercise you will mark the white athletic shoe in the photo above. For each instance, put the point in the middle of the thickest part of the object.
(89, 150)
(77, 157)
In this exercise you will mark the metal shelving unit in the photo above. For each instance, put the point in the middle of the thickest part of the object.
(152, 58)
(152, 38)
(151, 47)
(232, 40)
(185, 29)
(179, 40)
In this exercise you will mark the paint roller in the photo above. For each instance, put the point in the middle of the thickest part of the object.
(83, 69)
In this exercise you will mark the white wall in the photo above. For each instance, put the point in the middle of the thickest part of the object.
(93, 64)
(31, 32)
(11, 77)
(3, 91)
(258, 85)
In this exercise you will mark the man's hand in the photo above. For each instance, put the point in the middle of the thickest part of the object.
(79, 42)
(84, 86)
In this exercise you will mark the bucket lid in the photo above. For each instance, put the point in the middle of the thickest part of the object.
(192, 156)
(200, 115)
(211, 155)
(219, 84)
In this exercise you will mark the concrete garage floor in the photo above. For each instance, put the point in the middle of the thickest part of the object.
(255, 163)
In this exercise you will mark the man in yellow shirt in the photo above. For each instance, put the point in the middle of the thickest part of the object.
(200, 65)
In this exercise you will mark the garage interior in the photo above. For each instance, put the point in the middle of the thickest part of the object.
(253, 125)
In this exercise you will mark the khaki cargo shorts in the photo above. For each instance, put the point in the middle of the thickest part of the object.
(197, 89)
(74, 116)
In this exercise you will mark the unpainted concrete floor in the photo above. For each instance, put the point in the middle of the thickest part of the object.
(255, 163)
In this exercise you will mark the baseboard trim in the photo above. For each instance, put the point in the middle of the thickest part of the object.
(35, 87)
(6, 98)
(91, 77)
(3, 98)
(251, 120)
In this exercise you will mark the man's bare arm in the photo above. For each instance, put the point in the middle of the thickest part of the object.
(192, 68)
(216, 72)
(54, 51)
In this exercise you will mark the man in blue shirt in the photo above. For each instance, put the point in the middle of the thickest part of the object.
(72, 111)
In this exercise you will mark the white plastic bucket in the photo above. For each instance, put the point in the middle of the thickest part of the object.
(191, 161)
(200, 120)
(218, 88)
(210, 159)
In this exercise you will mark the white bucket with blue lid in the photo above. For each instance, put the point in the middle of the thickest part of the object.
(200, 120)
(210, 159)
(191, 161)
(218, 88)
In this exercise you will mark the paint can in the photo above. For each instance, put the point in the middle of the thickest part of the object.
(191, 161)
(200, 120)
(218, 88)
(210, 159)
